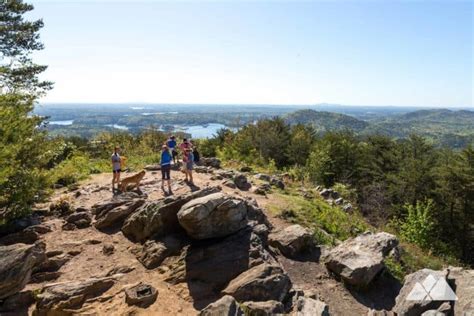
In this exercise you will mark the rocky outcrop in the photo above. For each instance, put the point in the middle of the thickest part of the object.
(208, 266)
(226, 306)
(159, 218)
(266, 308)
(358, 260)
(212, 216)
(306, 306)
(411, 299)
(16, 265)
(263, 189)
(142, 295)
(60, 298)
(117, 215)
(292, 241)
(261, 283)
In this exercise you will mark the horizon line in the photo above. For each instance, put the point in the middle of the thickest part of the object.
(259, 104)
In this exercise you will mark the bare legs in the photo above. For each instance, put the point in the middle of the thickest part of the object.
(115, 179)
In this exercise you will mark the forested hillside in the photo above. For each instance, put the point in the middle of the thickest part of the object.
(325, 121)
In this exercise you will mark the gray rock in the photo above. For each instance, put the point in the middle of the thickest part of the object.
(261, 283)
(207, 267)
(267, 308)
(16, 265)
(408, 307)
(117, 215)
(23, 237)
(292, 241)
(277, 182)
(211, 216)
(18, 303)
(463, 279)
(152, 254)
(80, 219)
(339, 201)
(229, 184)
(347, 207)
(358, 260)
(263, 189)
(241, 182)
(154, 167)
(263, 177)
(306, 306)
(210, 162)
(225, 306)
(58, 298)
(142, 295)
(326, 193)
(159, 218)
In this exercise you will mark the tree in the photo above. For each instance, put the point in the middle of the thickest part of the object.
(23, 147)
(18, 39)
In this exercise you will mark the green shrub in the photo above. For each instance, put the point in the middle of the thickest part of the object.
(418, 226)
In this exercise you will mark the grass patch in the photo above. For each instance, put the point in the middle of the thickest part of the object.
(317, 214)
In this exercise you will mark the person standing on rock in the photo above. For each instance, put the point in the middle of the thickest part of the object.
(166, 158)
(116, 167)
(184, 146)
(188, 160)
(171, 143)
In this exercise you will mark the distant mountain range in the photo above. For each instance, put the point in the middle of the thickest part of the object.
(453, 128)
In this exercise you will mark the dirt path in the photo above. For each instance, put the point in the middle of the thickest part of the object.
(90, 261)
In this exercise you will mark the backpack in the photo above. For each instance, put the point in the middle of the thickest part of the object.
(196, 155)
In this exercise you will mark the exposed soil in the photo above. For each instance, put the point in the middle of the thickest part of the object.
(307, 274)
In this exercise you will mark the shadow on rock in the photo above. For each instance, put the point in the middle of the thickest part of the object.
(380, 294)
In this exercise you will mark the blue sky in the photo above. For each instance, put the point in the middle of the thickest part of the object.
(255, 52)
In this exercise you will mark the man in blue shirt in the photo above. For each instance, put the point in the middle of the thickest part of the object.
(166, 168)
(171, 143)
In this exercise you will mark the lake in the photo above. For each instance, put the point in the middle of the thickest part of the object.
(66, 122)
(200, 131)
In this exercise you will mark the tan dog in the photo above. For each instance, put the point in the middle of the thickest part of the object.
(135, 180)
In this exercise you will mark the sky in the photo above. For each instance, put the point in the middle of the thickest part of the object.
(403, 53)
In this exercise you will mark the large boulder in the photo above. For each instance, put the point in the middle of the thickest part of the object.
(159, 218)
(261, 283)
(211, 216)
(225, 306)
(58, 299)
(463, 281)
(117, 215)
(16, 265)
(208, 266)
(358, 260)
(413, 299)
(292, 241)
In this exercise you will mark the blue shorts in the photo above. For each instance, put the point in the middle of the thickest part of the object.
(117, 170)
(189, 165)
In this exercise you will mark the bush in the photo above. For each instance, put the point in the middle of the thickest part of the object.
(418, 226)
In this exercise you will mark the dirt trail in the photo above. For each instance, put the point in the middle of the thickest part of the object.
(306, 274)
